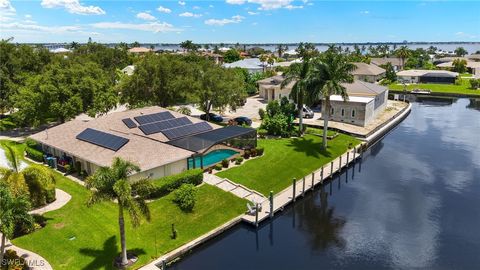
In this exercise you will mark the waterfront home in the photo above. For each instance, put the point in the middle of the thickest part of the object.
(368, 72)
(139, 50)
(366, 100)
(128, 70)
(472, 67)
(161, 142)
(427, 76)
(382, 61)
(253, 65)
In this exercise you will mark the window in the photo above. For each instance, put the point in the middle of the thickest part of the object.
(332, 111)
(353, 113)
(343, 112)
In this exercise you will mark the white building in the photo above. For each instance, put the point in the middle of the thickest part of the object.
(427, 76)
(128, 70)
(368, 72)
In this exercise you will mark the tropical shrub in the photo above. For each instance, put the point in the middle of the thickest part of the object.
(458, 82)
(225, 163)
(185, 197)
(260, 151)
(165, 185)
(278, 125)
(34, 154)
(262, 133)
(261, 113)
(474, 83)
(246, 154)
(218, 167)
(239, 160)
(14, 262)
(41, 185)
(253, 152)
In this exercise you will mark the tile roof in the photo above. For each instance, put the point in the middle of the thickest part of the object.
(367, 69)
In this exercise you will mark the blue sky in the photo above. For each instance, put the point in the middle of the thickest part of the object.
(244, 21)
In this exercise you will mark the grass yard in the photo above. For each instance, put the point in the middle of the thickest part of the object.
(78, 237)
(440, 88)
(284, 159)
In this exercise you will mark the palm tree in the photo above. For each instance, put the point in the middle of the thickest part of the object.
(263, 58)
(403, 53)
(297, 73)
(112, 184)
(12, 176)
(327, 76)
(13, 210)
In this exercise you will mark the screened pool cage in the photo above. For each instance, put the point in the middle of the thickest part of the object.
(230, 138)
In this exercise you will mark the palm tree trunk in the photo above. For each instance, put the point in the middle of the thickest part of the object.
(123, 242)
(300, 119)
(326, 117)
(2, 248)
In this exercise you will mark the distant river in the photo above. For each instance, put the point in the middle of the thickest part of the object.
(412, 203)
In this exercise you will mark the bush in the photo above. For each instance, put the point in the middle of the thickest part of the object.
(261, 112)
(78, 167)
(31, 143)
(167, 184)
(218, 167)
(474, 83)
(185, 197)
(253, 152)
(458, 82)
(262, 133)
(246, 154)
(225, 163)
(41, 185)
(277, 125)
(34, 154)
(260, 151)
(14, 262)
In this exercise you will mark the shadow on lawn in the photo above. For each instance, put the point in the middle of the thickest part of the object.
(103, 258)
(309, 147)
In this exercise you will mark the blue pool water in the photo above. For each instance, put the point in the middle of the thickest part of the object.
(212, 158)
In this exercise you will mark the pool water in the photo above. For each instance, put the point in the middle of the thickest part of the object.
(212, 158)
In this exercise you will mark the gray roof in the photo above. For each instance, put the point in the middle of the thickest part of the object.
(367, 69)
(247, 63)
(382, 61)
(361, 88)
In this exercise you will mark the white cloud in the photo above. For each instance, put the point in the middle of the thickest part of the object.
(265, 4)
(182, 3)
(155, 27)
(190, 14)
(210, 6)
(73, 6)
(222, 22)
(290, 7)
(464, 35)
(164, 9)
(36, 27)
(253, 13)
(146, 16)
(365, 12)
(6, 6)
(28, 16)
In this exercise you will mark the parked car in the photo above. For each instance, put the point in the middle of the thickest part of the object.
(212, 117)
(307, 112)
(243, 120)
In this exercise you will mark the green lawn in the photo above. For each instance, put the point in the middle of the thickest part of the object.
(284, 159)
(440, 88)
(78, 237)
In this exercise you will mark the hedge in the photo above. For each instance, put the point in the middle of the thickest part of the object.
(34, 154)
(167, 184)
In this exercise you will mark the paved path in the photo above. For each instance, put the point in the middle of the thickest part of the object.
(36, 261)
(234, 188)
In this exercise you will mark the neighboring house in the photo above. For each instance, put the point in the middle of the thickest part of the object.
(472, 67)
(128, 70)
(366, 100)
(159, 141)
(253, 65)
(60, 50)
(139, 50)
(426, 76)
(217, 58)
(368, 72)
(394, 61)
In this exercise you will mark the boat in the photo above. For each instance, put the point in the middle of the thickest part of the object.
(421, 91)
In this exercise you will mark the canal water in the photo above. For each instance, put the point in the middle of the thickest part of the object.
(411, 203)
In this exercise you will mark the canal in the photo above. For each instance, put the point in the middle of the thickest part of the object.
(412, 203)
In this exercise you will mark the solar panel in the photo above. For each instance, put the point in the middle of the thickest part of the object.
(154, 117)
(163, 125)
(175, 133)
(106, 140)
(129, 123)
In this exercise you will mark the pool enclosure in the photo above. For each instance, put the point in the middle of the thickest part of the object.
(210, 147)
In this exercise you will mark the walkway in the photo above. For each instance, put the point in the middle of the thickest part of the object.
(234, 188)
(290, 194)
(35, 261)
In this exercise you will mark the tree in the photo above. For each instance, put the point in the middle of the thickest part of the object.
(460, 65)
(460, 51)
(231, 55)
(12, 175)
(188, 46)
(390, 72)
(403, 53)
(74, 45)
(307, 50)
(112, 184)
(218, 87)
(297, 74)
(13, 211)
(327, 76)
(263, 58)
(281, 49)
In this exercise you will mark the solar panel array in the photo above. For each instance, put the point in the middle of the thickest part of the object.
(182, 131)
(154, 117)
(129, 123)
(100, 138)
(163, 125)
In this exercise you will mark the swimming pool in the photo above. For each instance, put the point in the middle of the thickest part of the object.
(212, 158)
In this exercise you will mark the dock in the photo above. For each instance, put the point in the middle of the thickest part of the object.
(299, 187)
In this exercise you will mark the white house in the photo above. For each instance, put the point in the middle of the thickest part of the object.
(426, 76)
(128, 70)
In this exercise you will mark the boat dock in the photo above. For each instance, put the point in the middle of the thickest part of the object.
(299, 187)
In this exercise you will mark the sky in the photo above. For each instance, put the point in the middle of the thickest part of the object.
(244, 21)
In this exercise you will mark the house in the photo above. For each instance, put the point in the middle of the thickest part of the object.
(394, 61)
(253, 65)
(473, 67)
(217, 58)
(60, 50)
(128, 70)
(426, 76)
(139, 50)
(161, 142)
(366, 100)
(368, 72)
